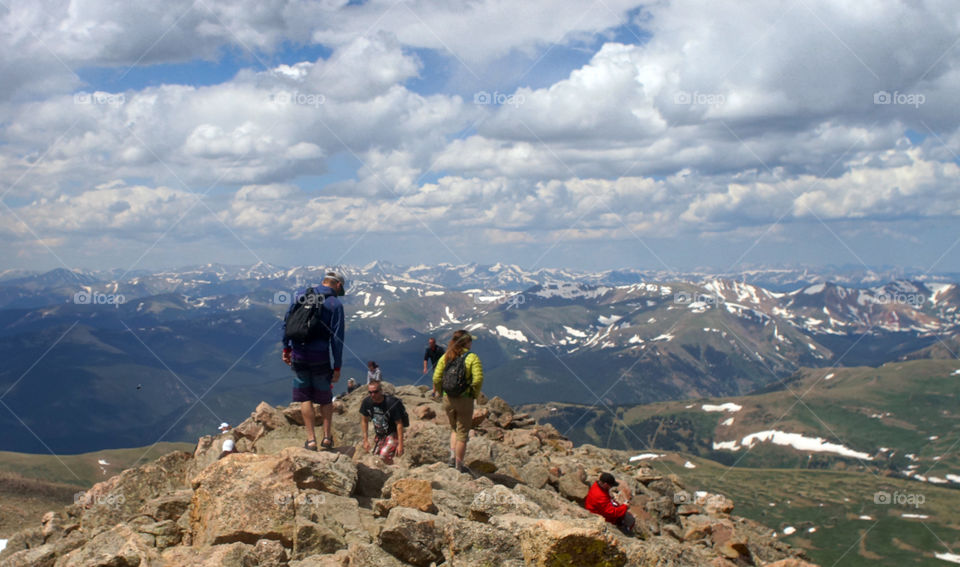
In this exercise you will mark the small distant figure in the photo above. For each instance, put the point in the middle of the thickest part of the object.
(139, 386)
(224, 427)
(600, 502)
(373, 373)
(352, 385)
(229, 446)
(389, 420)
(433, 354)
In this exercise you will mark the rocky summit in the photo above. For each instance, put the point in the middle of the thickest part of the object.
(275, 504)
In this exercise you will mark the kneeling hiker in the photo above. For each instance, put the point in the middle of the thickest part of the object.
(599, 502)
(389, 420)
(458, 375)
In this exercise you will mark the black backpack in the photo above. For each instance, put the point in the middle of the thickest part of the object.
(404, 418)
(454, 381)
(303, 322)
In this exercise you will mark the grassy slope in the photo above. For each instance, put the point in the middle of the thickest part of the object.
(832, 503)
(83, 470)
(33, 484)
(909, 408)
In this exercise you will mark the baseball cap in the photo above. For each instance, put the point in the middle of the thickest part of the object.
(331, 275)
(607, 478)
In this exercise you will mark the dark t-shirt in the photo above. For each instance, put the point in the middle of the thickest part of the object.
(433, 355)
(384, 415)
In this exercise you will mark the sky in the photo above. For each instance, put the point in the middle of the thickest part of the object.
(576, 134)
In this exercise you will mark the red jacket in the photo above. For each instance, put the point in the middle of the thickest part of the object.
(598, 501)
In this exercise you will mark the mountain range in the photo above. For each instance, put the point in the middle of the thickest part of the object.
(140, 357)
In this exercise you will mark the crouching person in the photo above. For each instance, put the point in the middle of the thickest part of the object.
(389, 420)
(599, 502)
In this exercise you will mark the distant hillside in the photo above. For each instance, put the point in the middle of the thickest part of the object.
(24, 500)
(130, 359)
(900, 419)
(840, 518)
(31, 485)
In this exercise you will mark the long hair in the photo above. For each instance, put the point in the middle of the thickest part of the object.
(459, 343)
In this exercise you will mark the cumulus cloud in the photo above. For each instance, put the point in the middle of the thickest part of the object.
(720, 120)
(261, 127)
(114, 207)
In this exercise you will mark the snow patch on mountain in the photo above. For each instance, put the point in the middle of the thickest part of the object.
(609, 320)
(511, 334)
(369, 314)
(950, 557)
(814, 289)
(575, 332)
(570, 290)
(449, 315)
(729, 406)
(794, 440)
(645, 456)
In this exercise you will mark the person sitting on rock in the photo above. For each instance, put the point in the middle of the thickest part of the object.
(389, 420)
(229, 447)
(352, 385)
(599, 502)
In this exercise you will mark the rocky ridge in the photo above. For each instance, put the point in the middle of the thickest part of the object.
(276, 504)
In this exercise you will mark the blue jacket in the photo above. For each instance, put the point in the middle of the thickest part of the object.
(332, 316)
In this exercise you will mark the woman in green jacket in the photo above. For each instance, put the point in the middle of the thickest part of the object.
(459, 409)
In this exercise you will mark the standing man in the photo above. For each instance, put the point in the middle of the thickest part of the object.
(599, 502)
(389, 420)
(433, 354)
(310, 358)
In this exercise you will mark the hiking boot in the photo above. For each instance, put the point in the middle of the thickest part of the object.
(452, 462)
